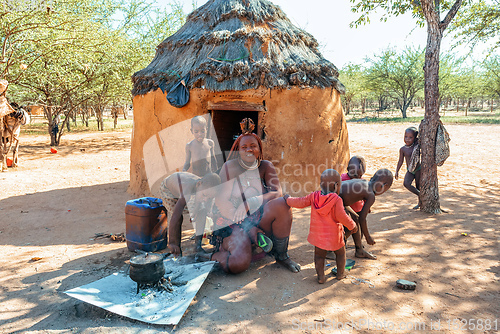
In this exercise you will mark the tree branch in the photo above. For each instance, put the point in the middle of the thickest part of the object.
(450, 15)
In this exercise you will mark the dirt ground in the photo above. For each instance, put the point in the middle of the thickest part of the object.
(52, 206)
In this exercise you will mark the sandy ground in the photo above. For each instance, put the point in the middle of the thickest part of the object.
(53, 204)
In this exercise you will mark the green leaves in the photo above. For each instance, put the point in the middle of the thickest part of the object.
(70, 53)
(479, 24)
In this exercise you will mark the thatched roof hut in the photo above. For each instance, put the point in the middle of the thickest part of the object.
(245, 59)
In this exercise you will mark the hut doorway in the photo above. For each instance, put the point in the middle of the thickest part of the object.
(226, 124)
(226, 118)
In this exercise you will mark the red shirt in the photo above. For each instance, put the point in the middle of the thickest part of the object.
(328, 217)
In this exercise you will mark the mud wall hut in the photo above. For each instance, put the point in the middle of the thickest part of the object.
(245, 59)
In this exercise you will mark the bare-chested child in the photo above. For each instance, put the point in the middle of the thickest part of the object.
(356, 190)
(200, 154)
(405, 152)
(328, 218)
(176, 191)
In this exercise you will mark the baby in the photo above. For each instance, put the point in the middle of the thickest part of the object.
(328, 218)
(200, 151)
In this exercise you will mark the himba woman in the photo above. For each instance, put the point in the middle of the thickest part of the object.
(249, 208)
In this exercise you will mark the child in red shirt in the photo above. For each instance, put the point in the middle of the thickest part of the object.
(328, 218)
(355, 170)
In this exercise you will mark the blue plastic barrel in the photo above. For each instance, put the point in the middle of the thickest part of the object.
(146, 224)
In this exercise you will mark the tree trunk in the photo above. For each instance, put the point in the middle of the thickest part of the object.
(429, 190)
(403, 110)
(100, 115)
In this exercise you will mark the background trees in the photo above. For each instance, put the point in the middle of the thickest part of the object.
(80, 54)
(357, 88)
(398, 74)
(491, 77)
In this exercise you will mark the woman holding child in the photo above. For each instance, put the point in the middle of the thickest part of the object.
(249, 207)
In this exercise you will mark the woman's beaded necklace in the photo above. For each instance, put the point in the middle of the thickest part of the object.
(253, 166)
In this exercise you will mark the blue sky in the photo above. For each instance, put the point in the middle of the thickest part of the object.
(328, 21)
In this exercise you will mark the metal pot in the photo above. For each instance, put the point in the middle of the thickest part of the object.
(147, 268)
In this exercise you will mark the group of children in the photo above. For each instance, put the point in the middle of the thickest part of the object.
(338, 210)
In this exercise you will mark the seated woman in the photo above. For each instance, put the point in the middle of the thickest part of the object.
(249, 207)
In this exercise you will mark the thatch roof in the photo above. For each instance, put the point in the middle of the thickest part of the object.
(238, 45)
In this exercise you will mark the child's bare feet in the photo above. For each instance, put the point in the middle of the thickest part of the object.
(361, 253)
(321, 278)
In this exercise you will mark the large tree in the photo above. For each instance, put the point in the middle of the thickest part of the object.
(430, 11)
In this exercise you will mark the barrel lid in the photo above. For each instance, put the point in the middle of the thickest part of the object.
(146, 202)
(147, 258)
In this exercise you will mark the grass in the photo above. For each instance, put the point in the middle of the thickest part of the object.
(450, 117)
(40, 126)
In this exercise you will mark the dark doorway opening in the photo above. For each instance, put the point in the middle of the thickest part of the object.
(227, 127)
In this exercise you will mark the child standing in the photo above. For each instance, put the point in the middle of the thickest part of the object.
(406, 153)
(328, 217)
(200, 151)
(355, 170)
(356, 190)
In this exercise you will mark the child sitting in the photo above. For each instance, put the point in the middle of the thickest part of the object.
(200, 150)
(328, 217)
(176, 191)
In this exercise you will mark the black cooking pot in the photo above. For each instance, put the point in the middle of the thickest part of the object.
(147, 268)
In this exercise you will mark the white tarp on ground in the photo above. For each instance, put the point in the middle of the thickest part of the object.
(117, 293)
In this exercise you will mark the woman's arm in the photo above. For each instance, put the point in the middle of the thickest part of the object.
(272, 182)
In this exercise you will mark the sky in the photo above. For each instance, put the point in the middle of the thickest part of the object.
(328, 21)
